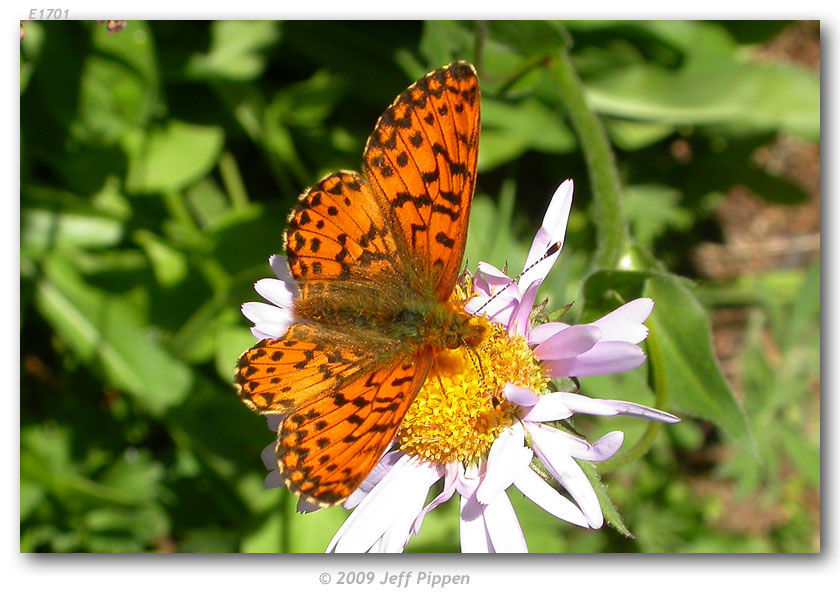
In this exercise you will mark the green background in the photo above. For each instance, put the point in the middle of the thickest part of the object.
(158, 165)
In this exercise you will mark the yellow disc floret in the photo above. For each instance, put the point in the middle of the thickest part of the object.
(461, 410)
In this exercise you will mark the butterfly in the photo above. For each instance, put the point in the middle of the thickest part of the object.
(376, 257)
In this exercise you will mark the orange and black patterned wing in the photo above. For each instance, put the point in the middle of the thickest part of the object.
(279, 376)
(327, 449)
(421, 163)
(341, 404)
(338, 230)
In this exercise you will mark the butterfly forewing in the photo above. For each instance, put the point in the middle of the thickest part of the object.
(338, 230)
(421, 161)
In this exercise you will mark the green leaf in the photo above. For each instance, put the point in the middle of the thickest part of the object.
(804, 454)
(683, 359)
(688, 367)
(170, 265)
(135, 48)
(611, 514)
(207, 202)
(136, 474)
(509, 130)
(43, 230)
(634, 135)
(653, 209)
(758, 97)
(31, 496)
(311, 532)
(173, 157)
(267, 537)
(443, 40)
(113, 98)
(231, 342)
(806, 310)
(530, 37)
(105, 331)
(237, 50)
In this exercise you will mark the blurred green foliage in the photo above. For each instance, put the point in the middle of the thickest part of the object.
(158, 165)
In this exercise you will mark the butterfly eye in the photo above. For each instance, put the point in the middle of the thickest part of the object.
(452, 341)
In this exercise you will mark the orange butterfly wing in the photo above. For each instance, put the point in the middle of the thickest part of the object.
(337, 231)
(342, 410)
(342, 387)
(421, 159)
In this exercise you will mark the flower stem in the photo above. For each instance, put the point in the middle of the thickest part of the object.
(613, 236)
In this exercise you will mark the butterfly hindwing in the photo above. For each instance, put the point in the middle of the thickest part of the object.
(326, 450)
(278, 376)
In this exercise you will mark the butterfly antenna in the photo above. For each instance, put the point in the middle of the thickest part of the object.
(441, 386)
(552, 250)
(476, 360)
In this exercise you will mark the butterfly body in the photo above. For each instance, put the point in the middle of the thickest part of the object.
(376, 257)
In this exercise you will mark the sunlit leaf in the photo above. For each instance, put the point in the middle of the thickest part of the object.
(105, 332)
(237, 50)
(173, 157)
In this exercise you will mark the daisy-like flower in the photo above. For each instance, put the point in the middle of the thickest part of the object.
(479, 430)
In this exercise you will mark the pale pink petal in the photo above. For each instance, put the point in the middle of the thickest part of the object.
(553, 230)
(480, 286)
(624, 324)
(377, 546)
(603, 449)
(604, 359)
(496, 299)
(612, 408)
(498, 295)
(275, 291)
(570, 444)
(553, 453)
(450, 481)
(546, 497)
(520, 320)
(549, 407)
(398, 495)
(519, 395)
(280, 266)
(493, 275)
(269, 321)
(270, 329)
(385, 464)
(258, 312)
(259, 335)
(274, 421)
(306, 508)
(498, 310)
(541, 333)
(568, 343)
(474, 536)
(576, 447)
(273, 480)
(269, 457)
(503, 526)
(508, 456)
(397, 535)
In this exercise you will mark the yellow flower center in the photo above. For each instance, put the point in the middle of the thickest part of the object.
(461, 409)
